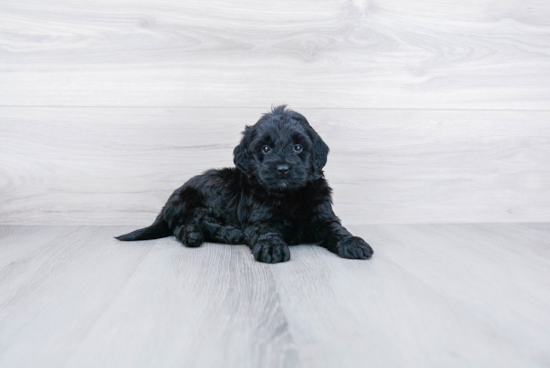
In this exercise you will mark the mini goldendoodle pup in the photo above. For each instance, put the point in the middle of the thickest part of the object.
(275, 197)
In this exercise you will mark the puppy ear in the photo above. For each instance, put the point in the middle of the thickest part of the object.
(240, 153)
(320, 150)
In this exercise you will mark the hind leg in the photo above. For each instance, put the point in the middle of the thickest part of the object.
(189, 234)
(217, 233)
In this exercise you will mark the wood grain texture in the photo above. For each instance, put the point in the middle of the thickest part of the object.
(119, 165)
(54, 283)
(430, 54)
(433, 295)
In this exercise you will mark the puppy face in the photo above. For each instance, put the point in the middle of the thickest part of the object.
(281, 155)
(282, 151)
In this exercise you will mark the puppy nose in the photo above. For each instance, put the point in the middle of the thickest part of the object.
(282, 169)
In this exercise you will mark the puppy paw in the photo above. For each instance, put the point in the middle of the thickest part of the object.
(236, 236)
(191, 236)
(354, 248)
(271, 252)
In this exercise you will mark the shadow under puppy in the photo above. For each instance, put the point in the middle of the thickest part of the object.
(275, 197)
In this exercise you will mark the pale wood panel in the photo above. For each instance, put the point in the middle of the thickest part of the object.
(376, 54)
(212, 306)
(208, 307)
(54, 283)
(432, 296)
(119, 165)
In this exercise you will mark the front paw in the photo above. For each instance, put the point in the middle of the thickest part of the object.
(269, 252)
(354, 248)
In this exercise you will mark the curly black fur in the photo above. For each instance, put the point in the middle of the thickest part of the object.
(275, 197)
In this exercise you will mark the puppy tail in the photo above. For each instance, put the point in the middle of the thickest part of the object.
(159, 229)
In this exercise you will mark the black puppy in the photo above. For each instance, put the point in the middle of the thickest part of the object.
(276, 196)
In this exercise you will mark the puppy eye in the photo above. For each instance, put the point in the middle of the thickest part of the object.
(266, 149)
(298, 148)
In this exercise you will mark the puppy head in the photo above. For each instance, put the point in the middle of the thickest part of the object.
(282, 151)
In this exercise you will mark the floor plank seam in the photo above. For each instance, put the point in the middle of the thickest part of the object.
(284, 313)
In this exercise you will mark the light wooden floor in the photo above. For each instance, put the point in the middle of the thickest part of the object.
(432, 296)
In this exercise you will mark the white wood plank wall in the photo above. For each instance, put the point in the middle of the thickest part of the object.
(435, 110)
